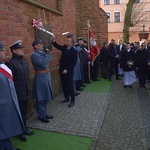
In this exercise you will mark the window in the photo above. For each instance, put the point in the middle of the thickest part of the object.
(106, 2)
(116, 16)
(136, 1)
(108, 14)
(116, 1)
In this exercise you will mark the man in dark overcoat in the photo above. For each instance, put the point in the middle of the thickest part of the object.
(86, 61)
(11, 123)
(104, 60)
(114, 55)
(67, 62)
(20, 71)
(42, 88)
(142, 63)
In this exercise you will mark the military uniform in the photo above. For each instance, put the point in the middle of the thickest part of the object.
(42, 88)
(20, 72)
(11, 123)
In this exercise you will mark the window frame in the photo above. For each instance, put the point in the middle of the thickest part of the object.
(105, 2)
(116, 2)
(119, 17)
(137, 2)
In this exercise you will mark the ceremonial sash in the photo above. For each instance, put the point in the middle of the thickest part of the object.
(6, 71)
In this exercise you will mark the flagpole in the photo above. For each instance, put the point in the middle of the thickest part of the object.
(88, 24)
(45, 27)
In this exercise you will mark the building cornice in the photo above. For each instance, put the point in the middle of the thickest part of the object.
(37, 4)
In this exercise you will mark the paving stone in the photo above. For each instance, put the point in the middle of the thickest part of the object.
(118, 120)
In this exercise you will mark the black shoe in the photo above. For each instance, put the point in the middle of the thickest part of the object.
(28, 132)
(87, 82)
(105, 77)
(76, 94)
(79, 89)
(65, 101)
(130, 86)
(22, 138)
(71, 104)
(83, 85)
(125, 86)
(118, 79)
(144, 86)
(14, 148)
(49, 116)
(109, 79)
(45, 120)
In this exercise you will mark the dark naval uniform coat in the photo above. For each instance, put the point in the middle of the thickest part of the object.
(42, 89)
(142, 65)
(20, 71)
(11, 123)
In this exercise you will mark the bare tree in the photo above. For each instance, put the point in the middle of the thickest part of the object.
(134, 18)
(127, 21)
(138, 16)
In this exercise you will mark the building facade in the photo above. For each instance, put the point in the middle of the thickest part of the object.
(57, 16)
(115, 10)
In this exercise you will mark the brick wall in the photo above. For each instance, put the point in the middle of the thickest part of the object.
(68, 15)
(90, 10)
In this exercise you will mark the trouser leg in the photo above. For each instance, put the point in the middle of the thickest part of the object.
(23, 104)
(6, 144)
(41, 109)
(65, 87)
(71, 88)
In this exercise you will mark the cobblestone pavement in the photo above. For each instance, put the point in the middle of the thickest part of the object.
(84, 119)
(118, 120)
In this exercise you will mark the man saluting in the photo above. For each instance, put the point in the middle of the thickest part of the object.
(67, 63)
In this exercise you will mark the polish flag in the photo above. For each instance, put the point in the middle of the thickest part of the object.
(94, 50)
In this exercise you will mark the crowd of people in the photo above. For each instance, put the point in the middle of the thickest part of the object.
(14, 83)
(128, 60)
(76, 71)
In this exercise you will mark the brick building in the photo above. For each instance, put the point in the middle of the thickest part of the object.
(57, 16)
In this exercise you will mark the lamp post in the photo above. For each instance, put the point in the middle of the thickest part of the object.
(143, 34)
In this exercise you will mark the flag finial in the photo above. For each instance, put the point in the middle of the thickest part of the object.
(88, 22)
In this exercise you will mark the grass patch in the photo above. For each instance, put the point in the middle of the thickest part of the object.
(46, 140)
(102, 85)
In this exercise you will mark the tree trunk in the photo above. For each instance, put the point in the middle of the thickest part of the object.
(127, 21)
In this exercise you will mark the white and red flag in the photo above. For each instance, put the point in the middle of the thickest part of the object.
(6, 71)
(37, 23)
(94, 50)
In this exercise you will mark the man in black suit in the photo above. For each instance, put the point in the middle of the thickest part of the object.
(121, 46)
(114, 58)
(67, 63)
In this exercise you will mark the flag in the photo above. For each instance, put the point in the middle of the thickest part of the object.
(6, 71)
(94, 50)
